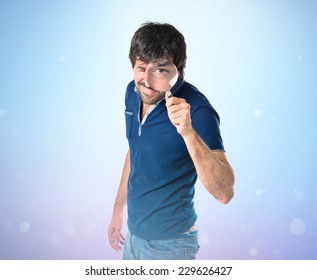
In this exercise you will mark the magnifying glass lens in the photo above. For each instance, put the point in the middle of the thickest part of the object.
(161, 74)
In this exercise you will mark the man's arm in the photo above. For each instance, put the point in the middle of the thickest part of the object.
(115, 236)
(213, 168)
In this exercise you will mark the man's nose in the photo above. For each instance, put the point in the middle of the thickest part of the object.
(146, 79)
(146, 83)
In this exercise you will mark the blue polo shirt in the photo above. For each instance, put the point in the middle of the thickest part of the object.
(162, 173)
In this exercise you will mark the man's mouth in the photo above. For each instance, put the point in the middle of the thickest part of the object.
(148, 90)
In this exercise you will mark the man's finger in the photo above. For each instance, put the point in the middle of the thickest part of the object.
(122, 237)
(168, 95)
(174, 101)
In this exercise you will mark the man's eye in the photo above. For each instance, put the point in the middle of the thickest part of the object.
(162, 70)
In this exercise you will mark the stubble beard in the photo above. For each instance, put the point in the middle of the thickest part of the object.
(148, 99)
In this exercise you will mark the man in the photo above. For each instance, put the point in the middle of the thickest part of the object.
(172, 140)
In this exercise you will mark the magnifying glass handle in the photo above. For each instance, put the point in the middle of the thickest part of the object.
(169, 94)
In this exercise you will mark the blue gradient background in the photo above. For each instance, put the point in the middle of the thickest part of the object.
(63, 72)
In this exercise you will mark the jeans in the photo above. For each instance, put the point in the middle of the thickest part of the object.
(183, 247)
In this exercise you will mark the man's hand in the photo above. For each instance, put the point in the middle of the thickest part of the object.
(179, 114)
(115, 237)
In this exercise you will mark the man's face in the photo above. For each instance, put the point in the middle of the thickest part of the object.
(148, 95)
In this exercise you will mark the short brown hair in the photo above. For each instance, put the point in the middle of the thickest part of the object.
(159, 40)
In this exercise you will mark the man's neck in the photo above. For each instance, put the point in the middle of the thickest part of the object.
(144, 109)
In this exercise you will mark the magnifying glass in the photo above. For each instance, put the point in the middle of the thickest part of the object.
(162, 75)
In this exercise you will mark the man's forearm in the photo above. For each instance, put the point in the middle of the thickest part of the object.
(121, 198)
(212, 168)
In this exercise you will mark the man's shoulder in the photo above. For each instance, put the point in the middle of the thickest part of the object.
(131, 86)
(130, 95)
(193, 95)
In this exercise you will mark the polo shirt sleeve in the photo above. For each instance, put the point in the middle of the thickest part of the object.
(206, 121)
